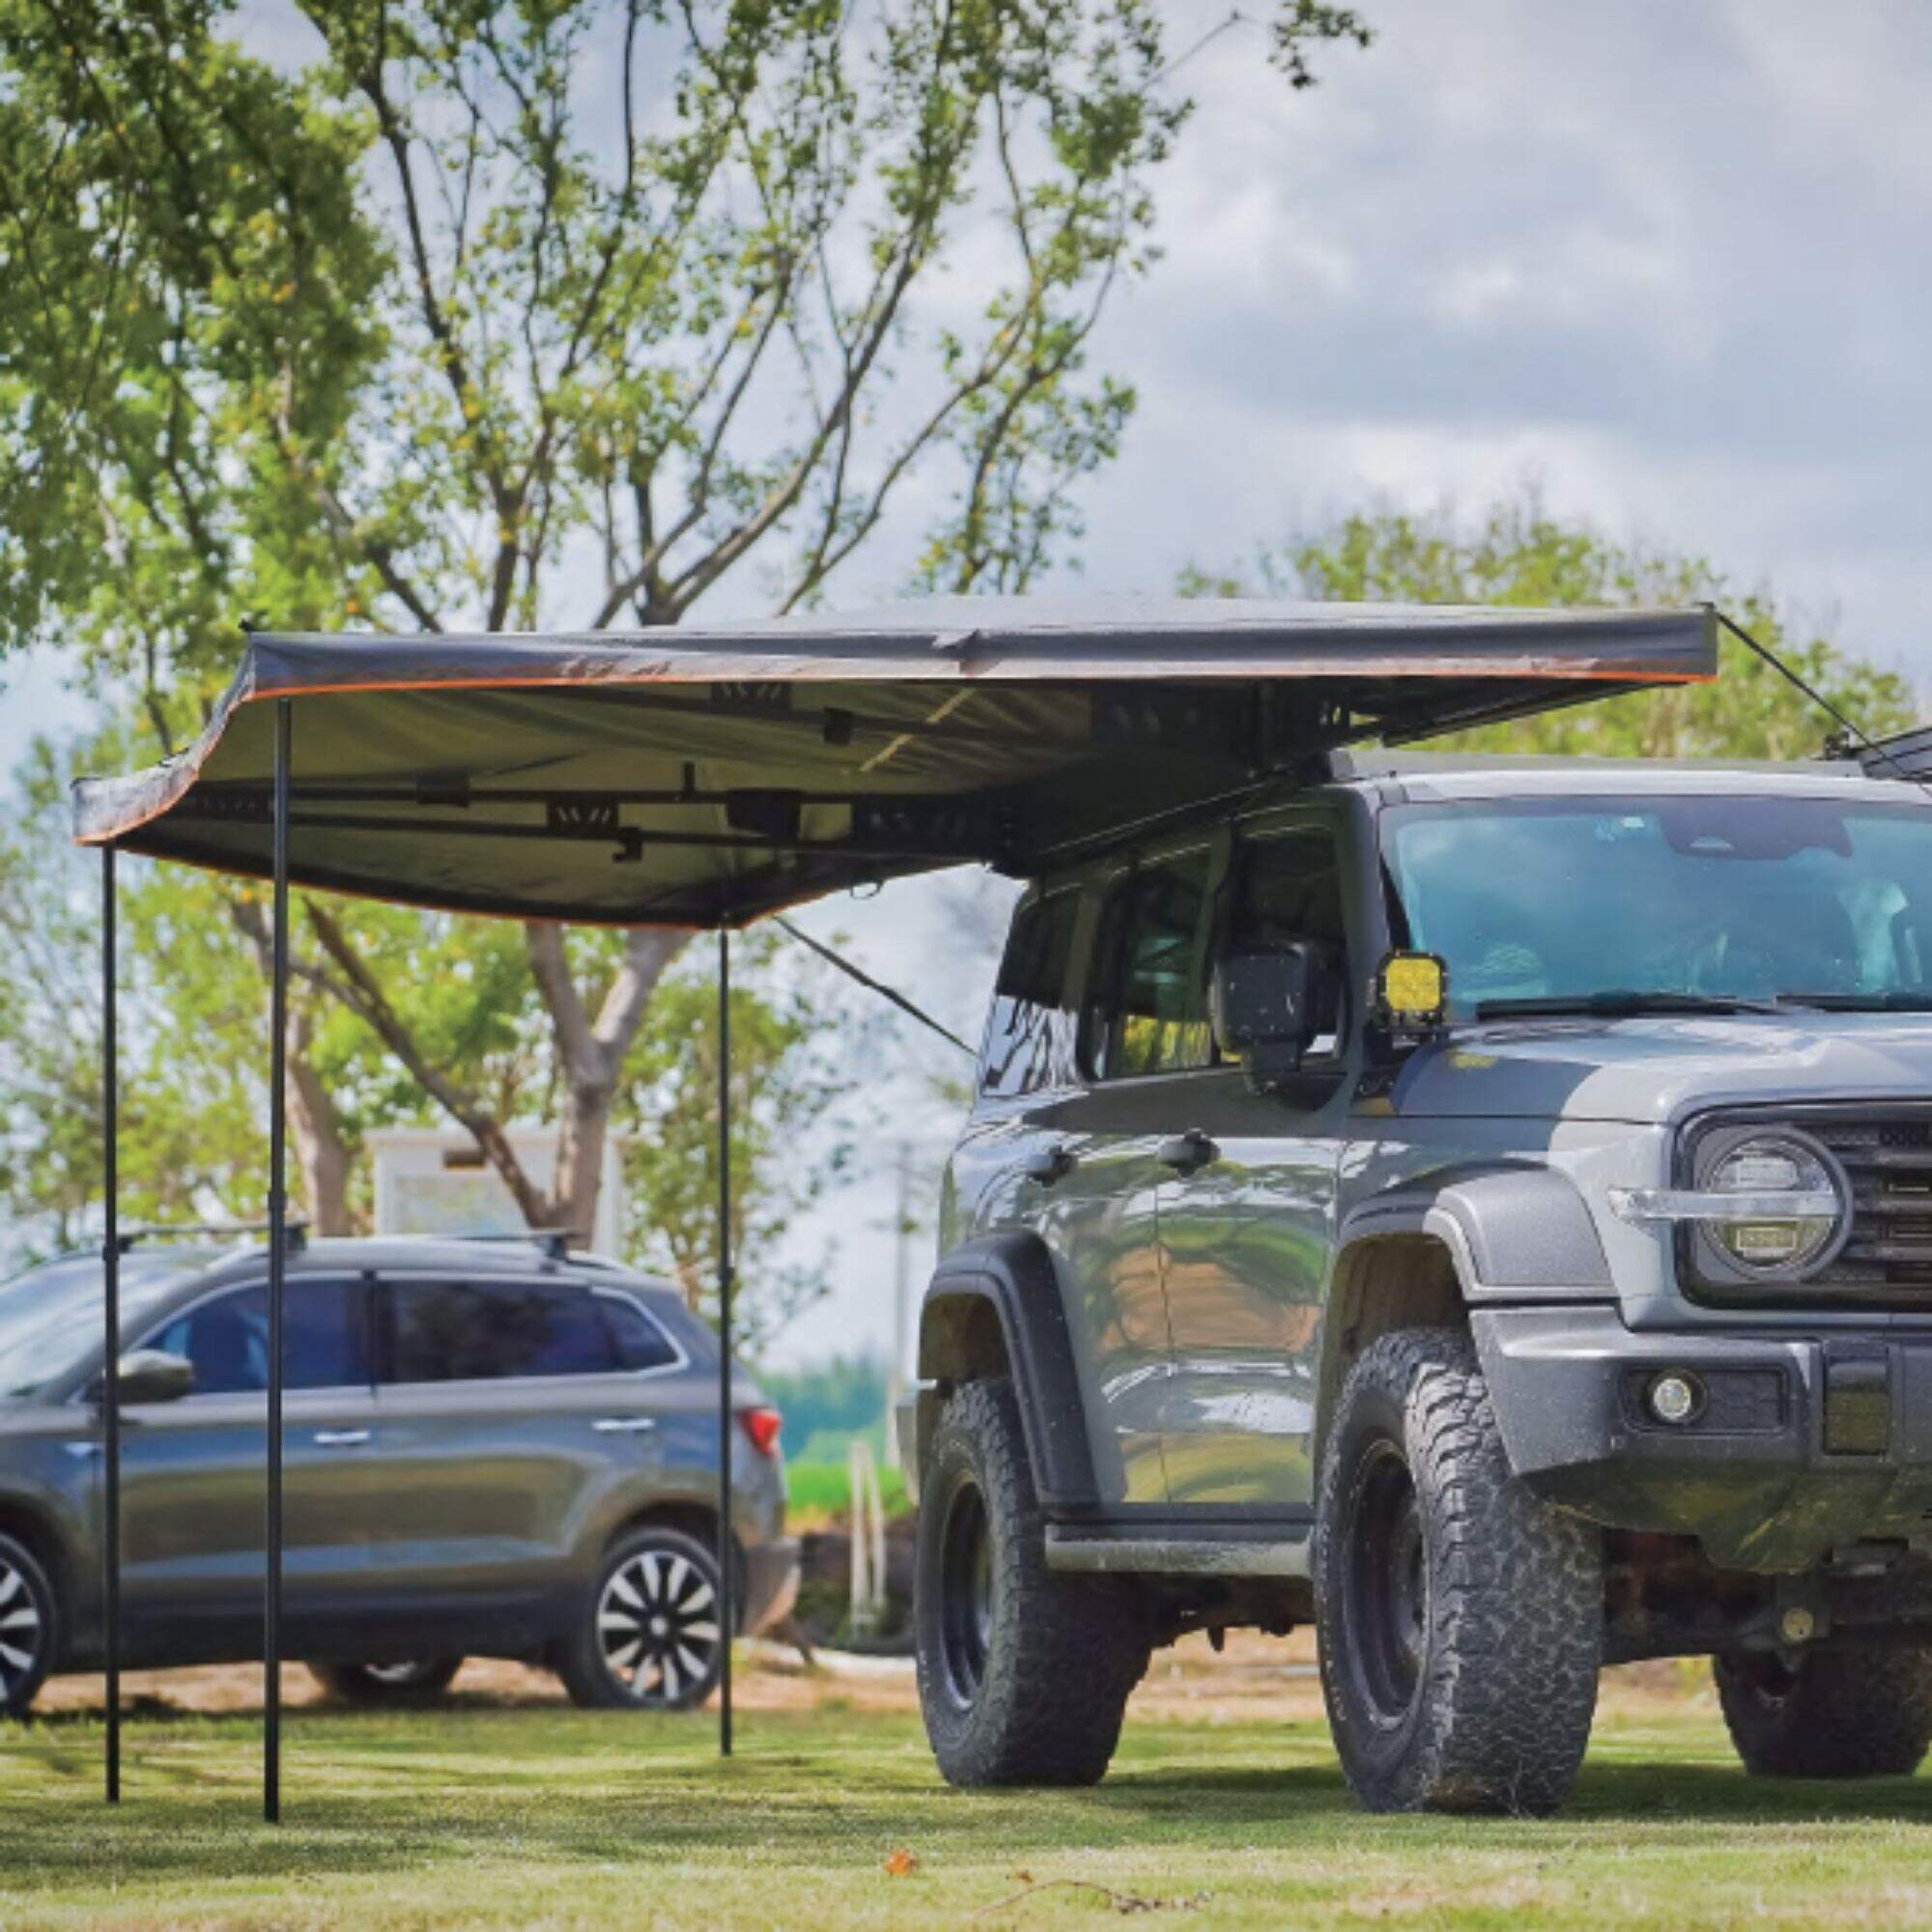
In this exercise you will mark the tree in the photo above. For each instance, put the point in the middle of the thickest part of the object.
(194, 1062)
(505, 313)
(1519, 554)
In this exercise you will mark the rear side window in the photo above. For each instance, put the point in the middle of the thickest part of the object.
(1029, 1028)
(1149, 1013)
(452, 1331)
(325, 1339)
(639, 1342)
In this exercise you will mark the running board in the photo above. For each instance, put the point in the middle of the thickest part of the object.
(1204, 1549)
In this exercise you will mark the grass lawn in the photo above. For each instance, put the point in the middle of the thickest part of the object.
(544, 1816)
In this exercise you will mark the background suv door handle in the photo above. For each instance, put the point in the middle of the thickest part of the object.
(623, 1425)
(1049, 1164)
(340, 1438)
(1184, 1152)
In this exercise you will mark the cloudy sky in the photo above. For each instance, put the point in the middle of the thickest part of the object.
(1667, 260)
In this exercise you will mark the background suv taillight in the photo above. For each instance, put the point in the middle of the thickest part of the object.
(761, 1428)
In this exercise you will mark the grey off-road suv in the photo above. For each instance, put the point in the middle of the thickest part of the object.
(1483, 1209)
(498, 1449)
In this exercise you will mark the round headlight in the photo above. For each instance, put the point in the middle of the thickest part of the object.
(1812, 1206)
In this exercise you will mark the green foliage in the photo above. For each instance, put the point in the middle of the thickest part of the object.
(512, 314)
(817, 1491)
(494, 313)
(840, 1397)
(1518, 554)
(793, 1056)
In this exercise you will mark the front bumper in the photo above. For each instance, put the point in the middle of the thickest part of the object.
(1804, 1443)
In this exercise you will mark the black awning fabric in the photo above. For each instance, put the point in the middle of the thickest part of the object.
(710, 775)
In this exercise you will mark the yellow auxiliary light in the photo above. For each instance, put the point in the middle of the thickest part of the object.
(1412, 991)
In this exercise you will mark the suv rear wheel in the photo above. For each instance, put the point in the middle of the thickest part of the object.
(648, 1636)
(1838, 1711)
(1460, 1619)
(27, 1626)
(419, 1681)
(1023, 1674)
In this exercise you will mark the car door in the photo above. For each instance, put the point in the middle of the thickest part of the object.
(1143, 1028)
(1247, 1219)
(506, 1419)
(195, 1472)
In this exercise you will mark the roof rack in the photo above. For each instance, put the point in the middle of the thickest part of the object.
(294, 1233)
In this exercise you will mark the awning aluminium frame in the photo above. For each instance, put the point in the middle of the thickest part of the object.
(711, 777)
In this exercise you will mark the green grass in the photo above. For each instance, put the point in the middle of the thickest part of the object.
(558, 1819)
(819, 1490)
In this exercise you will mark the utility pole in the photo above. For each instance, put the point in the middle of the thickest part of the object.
(895, 1374)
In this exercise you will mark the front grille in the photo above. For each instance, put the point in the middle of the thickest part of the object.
(1888, 1158)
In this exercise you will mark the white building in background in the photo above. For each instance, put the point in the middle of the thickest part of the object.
(428, 1182)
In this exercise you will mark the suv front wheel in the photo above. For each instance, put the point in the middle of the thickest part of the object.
(1460, 1619)
(650, 1634)
(1023, 1674)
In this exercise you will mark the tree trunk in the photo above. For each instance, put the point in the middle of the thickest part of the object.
(322, 1152)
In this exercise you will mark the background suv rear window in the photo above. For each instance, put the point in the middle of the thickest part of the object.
(447, 1331)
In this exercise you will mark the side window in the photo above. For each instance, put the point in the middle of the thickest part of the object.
(1028, 1026)
(459, 1331)
(639, 1342)
(1149, 1013)
(1287, 889)
(325, 1342)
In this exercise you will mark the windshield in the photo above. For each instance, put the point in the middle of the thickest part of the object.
(50, 1316)
(1554, 903)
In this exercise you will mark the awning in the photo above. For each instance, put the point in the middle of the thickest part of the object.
(711, 774)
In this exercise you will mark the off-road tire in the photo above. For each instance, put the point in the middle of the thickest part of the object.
(1841, 1710)
(663, 1572)
(1459, 1673)
(30, 1627)
(394, 1686)
(1057, 1655)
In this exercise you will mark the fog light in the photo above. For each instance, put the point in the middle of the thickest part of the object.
(1674, 1399)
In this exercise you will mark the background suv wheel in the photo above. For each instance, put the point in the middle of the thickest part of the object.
(1023, 1675)
(28, 1627)
(420, 1681)
(1459, 1618)
(649, 1636)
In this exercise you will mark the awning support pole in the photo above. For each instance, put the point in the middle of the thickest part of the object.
(728, 1617)
(110, 1359)
(279, 1252)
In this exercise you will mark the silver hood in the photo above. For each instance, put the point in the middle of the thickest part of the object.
(1657, 1069)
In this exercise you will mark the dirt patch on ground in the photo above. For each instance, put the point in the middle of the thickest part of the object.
(1256, 1678)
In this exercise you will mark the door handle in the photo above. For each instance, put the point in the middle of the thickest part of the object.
(1186, 1152)
(340, 1438)
(624, 1425)
(1049, 1165)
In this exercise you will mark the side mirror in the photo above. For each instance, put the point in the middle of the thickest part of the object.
(1264, 1006)
(1262, 998)
(153, 1374)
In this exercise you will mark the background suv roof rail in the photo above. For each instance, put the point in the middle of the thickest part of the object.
(294, 1233)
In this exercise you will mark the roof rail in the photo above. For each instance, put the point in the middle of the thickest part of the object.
(294, 1233)
(553, 1241)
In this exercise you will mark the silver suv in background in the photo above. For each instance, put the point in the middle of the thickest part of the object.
(492, 1449)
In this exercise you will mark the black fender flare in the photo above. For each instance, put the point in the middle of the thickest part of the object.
(1010, 1278)
(1511, 1231)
